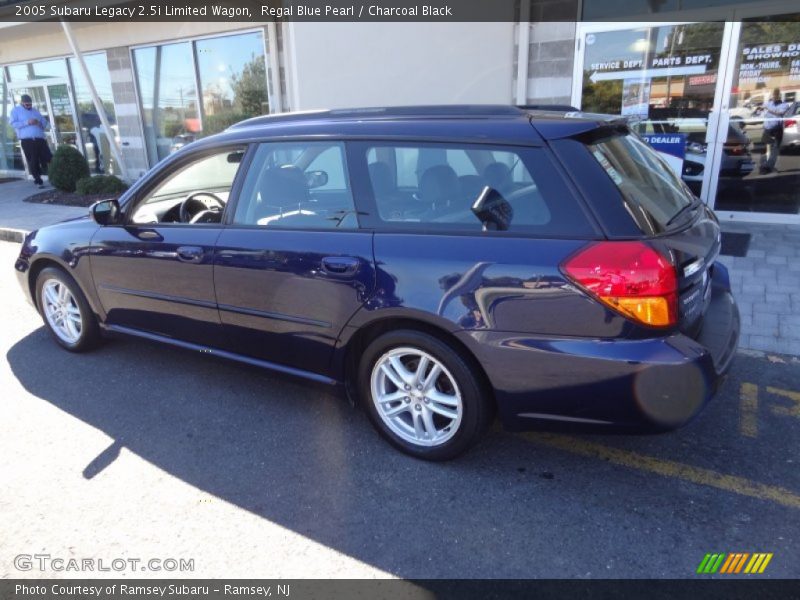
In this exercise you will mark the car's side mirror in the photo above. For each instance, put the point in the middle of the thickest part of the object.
(315, 179)
(106, 212)
(493, 210)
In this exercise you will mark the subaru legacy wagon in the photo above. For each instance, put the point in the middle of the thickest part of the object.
(443, 265)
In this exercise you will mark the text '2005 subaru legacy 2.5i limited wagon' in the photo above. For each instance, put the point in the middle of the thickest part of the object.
(445, 265)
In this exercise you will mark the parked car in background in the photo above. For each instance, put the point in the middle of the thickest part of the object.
(791, 129)
(443, 265)
(753, 127)
(180, 140)
(737, 160)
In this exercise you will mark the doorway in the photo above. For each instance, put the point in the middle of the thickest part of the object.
(697, 92)
(52, 98)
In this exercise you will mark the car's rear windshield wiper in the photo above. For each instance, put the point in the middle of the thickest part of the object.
(691, 206)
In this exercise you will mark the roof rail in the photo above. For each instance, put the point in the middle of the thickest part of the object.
(436, 110)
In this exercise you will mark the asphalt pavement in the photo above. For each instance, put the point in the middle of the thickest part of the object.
(140, 451)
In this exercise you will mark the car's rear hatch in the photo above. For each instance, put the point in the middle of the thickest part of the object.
(667, 216)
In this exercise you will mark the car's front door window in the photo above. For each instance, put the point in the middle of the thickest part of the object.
(195, 193)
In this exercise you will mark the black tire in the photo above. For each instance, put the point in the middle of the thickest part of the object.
(89, 336)
(476, 405)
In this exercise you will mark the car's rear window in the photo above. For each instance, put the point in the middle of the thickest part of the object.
(432, 187)
(653, 192)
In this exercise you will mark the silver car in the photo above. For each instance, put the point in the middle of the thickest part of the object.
(791, 129)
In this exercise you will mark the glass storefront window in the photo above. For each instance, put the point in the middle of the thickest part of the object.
(767, 67)
(664, 79)
(44, 69)
(230, 74)
(233, 80)
(20, 72)
(9, 159)
(96, 143)
(67, 105)
(169, 97)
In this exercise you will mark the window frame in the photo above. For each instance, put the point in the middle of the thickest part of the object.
(368, 211)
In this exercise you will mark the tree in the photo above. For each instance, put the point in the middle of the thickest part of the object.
(250, 88)
(602, 96)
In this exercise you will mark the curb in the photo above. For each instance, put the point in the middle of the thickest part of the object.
(7, 234)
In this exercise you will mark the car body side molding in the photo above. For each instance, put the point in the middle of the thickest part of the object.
(222, 354)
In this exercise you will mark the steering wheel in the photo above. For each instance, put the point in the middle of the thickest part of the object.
(192, 207)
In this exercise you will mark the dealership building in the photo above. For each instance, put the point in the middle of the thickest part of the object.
(695, 80)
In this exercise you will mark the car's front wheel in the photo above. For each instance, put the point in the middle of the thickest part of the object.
(65, 310)
(422, 395)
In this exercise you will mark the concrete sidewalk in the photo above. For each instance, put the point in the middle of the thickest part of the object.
(766, 284)
(18, 217)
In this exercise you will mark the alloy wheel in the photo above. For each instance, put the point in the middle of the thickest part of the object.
(416, 396)
(61, 311)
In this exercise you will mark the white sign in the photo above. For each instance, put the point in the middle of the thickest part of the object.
(648, 73)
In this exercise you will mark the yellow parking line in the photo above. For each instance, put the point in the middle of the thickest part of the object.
(794, 411)
(667, 468)
(748, 410)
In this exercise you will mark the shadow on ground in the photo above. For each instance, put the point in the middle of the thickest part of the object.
(302, 458)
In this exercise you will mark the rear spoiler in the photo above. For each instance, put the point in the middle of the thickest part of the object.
(550, 107)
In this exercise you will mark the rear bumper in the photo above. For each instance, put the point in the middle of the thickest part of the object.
(656, 383)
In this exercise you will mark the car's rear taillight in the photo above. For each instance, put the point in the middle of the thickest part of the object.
(789, 123)
(630, 277)
(735, 149)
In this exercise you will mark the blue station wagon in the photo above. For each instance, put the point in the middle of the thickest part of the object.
(444, 265)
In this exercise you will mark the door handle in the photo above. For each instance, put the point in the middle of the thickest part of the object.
(340, 265)
(149, 234)
(192, 254)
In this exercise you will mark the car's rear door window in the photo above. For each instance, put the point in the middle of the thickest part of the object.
(653, 192)
(433, 187)
(297, 185)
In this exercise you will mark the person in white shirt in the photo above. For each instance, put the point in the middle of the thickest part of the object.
(774, 111)
(30, 125)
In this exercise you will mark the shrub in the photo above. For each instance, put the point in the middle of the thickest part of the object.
(66, 168)
(100, 184)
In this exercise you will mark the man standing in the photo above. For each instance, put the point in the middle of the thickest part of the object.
(29, 124)
(774, 111)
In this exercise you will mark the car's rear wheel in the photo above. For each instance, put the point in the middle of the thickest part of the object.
(422, 396)
(65, 310)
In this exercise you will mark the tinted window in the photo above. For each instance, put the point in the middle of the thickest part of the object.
(434, 187)
(297, 185)
(653, 192)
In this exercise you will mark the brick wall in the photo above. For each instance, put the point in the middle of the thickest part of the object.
(551, 50)
(551, 60)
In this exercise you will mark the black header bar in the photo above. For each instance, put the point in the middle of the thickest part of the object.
(260, 11)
